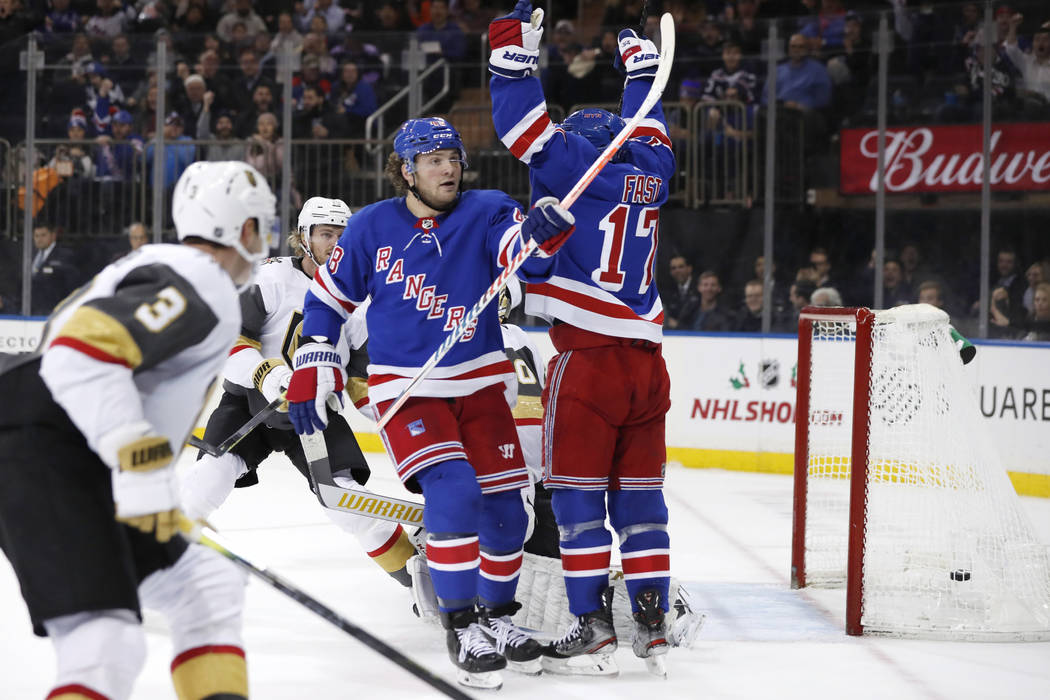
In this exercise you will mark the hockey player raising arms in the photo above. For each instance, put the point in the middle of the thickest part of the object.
(425, 259)
(607, 388)
(258, 371)
(89, 503)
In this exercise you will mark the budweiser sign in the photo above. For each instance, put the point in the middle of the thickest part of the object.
(946, 158)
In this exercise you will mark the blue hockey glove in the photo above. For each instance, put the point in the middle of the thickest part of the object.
(515, 41)
(637, 56)
(317, 380)
(549, 224)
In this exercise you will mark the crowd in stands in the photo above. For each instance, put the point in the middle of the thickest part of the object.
(1019, 310)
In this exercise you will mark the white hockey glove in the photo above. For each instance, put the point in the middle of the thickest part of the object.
(638, 57)
(271, 378)
(145, 489)
(515, 41)
(318, 380)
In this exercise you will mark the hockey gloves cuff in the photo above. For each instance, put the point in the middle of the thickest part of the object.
(318, 379)
(637, 57)
(515, 41)
(145, 490)
(549, 224)
(271, 378)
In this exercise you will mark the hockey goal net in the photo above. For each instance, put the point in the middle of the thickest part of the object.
(899, 494)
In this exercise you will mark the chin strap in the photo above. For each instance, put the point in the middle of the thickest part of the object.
(448, 207)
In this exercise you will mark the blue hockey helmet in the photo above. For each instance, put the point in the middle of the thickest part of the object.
(596, 125)
(419, 136)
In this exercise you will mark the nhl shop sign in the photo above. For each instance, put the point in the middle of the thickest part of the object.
(946, 158)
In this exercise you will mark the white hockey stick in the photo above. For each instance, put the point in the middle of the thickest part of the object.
(667, 38)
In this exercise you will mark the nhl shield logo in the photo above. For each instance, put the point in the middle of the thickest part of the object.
(769, 373)
(426, 224)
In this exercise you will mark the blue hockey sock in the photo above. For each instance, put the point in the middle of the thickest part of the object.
(640, 519)
(502, 536)
(585, 544)
(451, 516)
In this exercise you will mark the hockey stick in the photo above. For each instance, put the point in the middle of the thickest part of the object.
(239, 434)
(335, 497)
(208, 538)
(667, 37)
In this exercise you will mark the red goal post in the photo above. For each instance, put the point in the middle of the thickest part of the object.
(899, 494)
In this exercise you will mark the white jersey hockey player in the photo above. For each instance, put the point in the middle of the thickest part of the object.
(89, 506)
(257, 372)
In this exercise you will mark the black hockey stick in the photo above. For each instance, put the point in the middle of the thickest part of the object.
(334, 497)
(208, 538)
(239, 434)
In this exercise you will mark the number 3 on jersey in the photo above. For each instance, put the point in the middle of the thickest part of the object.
(610, 275)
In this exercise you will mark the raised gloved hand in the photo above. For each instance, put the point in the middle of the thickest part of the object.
(318, 378)
(145, 489)
(549, 224)
(515, 41)
(271, 378)
(637, 57)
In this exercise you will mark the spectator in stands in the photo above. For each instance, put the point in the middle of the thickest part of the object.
(749, 317)
(192, 27)
(138, 235)
(317, 25)
(177, 156)
(78, 58)
(262, 102)
(1008, 323)
(912, 267)
(333, 15)
(746, 29)
(682, 299)
(191, 104)
(215, 81)
(932, 292)
(310, 76)
(802, 82)
(564, 36)
(621, 13)
(249, 78)
(108, 22)
(315, 46)
(707, 53)
(124, 69)
(572, 82)
(265, 149)
(225, 144)
(825, 296)
(54, 272)
(799, 295)
(826, 29)
(60, 19)
(243, 13)
(1009, 277)
(173, 55)
(353, 98)
(102, 96)
(287, 37)
(116, 154)
(895, 291)
(851, 67)
(1034, 65)
(732, 73)
(146, 110)
(472, 18)
(821, 264)
(440, 37)
(964, 102)
(710, 315)
(1036, 273)
(315, 119)
(1037, 324)
(72, 160)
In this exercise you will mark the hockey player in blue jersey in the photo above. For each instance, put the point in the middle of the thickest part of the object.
(607, 388)
(424, 259)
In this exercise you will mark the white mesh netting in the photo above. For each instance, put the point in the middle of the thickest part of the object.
(949, 553)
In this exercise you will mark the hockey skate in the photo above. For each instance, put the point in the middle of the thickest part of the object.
(587, 648)
(650, 632)
(478, 665)
(523, 653)
(685, 623)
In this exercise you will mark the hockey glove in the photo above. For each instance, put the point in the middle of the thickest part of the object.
(515, 41)
(549, 224)
(318, 379)
(271, 378)
(145, 490)
(637, 57)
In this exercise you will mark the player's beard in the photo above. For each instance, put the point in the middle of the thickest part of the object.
(436, 197)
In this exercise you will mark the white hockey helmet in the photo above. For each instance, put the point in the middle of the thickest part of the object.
(320, 210)
(213, 200)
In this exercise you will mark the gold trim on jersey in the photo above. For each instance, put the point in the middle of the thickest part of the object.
(245, 340)
(101, 331)
(357, 387)
(528, 407)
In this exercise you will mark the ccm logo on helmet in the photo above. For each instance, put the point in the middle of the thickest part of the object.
(519, 57)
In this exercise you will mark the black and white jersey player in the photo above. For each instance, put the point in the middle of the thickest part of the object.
(257, 372)
(89, 504)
